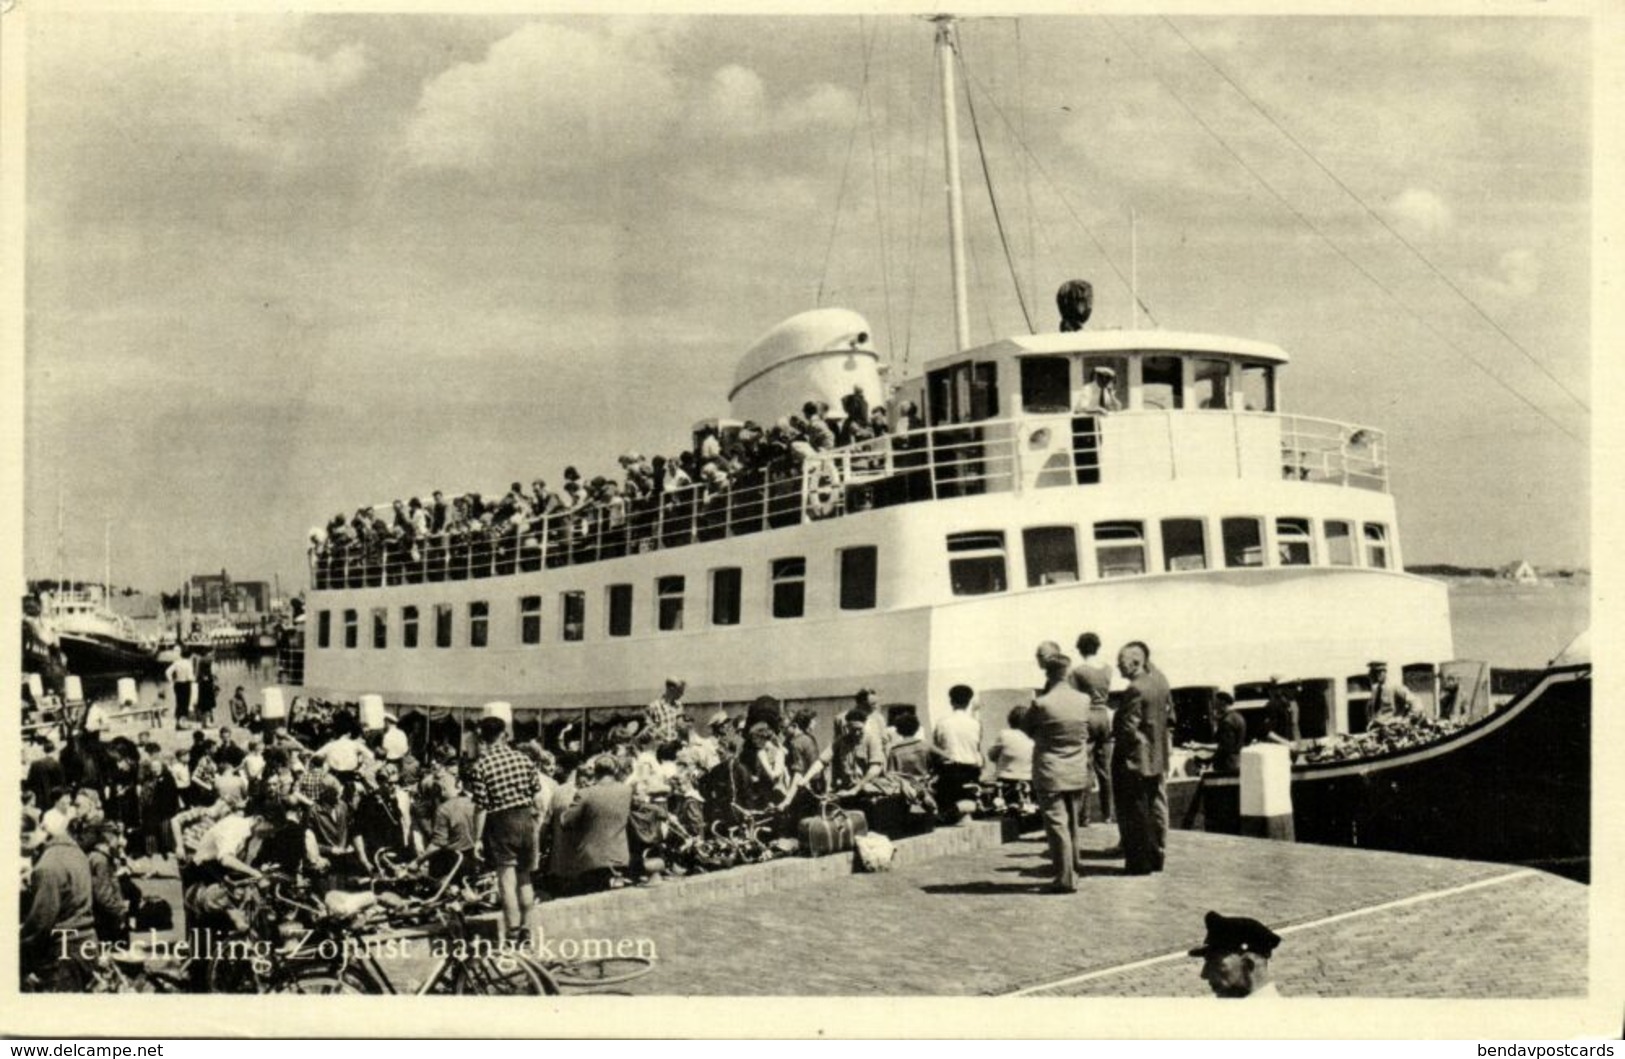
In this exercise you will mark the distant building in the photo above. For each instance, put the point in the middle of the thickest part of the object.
(1521, 572)
(219, 594)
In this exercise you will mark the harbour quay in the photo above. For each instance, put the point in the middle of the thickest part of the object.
(1354, 924)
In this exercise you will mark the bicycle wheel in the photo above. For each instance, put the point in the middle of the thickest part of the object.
(594, 974)
(505, 974)
(332, 980)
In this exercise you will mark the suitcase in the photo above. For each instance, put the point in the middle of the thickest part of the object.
(832, 833)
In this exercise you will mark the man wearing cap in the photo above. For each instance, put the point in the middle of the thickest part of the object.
(1100, 393)
(58, 919)
(1236, 957)
(1140, 761)
(660, 718)
(1389, 702)
(1058, 722)
(504, 785)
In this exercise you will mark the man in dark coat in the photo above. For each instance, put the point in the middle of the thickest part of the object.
(1140, 761)
(1229, 732)
(1058, 721)
(592, 831)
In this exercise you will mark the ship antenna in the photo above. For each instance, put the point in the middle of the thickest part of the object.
(950, 150)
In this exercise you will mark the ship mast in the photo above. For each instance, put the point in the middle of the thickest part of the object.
(956, 205)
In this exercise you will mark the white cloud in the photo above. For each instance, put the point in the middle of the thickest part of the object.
(735, 103)
(1418, 213)
(1518, 276)
(241, 83)
(546, 96)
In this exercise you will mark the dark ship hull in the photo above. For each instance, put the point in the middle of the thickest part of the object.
(1513, 787)
(88, 655)
(43, 657)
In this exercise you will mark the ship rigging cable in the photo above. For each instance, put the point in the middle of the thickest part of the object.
(1329, 241)
(993, 200)
(880, 202)
(1065, 202)
(1374, 215)
(846, 165)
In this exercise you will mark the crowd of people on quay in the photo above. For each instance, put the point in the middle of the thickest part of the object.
(730, 481)
(337, 793)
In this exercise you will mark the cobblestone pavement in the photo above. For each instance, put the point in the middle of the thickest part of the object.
(974, 924)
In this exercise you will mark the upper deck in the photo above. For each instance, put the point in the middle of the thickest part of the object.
(1016, 456)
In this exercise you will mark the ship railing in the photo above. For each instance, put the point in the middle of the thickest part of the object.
(926, 464)
(1325, 450)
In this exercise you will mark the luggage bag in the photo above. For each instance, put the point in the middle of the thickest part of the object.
(832, 832)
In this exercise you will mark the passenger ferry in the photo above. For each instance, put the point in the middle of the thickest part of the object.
(1190, 509)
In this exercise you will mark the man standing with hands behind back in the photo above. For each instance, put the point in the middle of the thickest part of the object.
(1140, 761)
(1058, 721)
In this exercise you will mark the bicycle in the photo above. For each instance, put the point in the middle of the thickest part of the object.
(462, 962)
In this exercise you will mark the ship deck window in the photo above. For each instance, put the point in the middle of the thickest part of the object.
(1258, 387)
(409, 627)
(1211, 379)
(726, 584)
(1052, 555)
(1046, 384)
(1339, 543)
(351, 633)
(530, 619)
(1094, 398)
(1120, 548)
(618, 601)
(963, 393)
(1184, 544)
(1293, 543)
(789, 588)
(324, 628)
(479, 619)
(976, 562)
(442, 624)
(1376, 545)
(859, 568)
(380, 627)
(1162, 383)
(669, 603)
(573, 621)
(1243, 541)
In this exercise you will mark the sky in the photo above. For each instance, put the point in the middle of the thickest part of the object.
(279, 266)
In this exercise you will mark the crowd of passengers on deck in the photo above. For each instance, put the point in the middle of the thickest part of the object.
(730, 482)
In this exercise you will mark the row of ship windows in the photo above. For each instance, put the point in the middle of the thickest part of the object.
(857, 571)
(977, 561)
(977, 565)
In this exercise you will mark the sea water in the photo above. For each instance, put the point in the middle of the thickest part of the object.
(1515, 626)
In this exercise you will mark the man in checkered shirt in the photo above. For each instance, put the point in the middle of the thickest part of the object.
(504, 785)
(661, 715)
